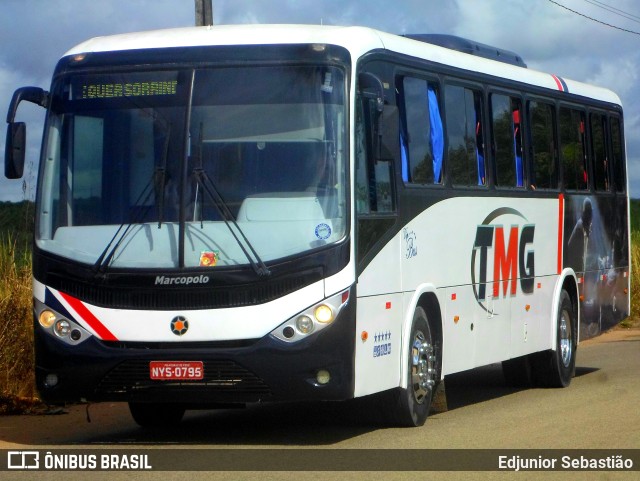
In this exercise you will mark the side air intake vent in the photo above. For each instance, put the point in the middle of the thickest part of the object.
(468, 46)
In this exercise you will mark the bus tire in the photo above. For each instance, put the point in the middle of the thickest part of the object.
(413, 403)
(555, 368)
(156, 414)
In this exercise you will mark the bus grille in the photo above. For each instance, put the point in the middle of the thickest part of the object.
(224, 379)
(116, 297)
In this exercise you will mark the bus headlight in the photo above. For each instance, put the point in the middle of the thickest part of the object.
(323, 314)
(304, 324)
(60, 326)
(46, 318)
(323, 377)
(313, 319)
(63, 328)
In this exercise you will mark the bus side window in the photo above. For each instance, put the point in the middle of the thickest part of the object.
(544, 172)
(362, 178)
(573, 150)
(421, 132)
(464, 136)
(506, 145)
(618, 155)
(599, 151)
(374, 191)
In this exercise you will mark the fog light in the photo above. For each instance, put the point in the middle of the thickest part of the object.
(46, 318)
(323, 377)
(288, 332)
(323, 314)
(51, 380)
(62, 328)
(304, 324)
(76, 334)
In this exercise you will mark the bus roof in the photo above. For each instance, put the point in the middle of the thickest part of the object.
(357, 40)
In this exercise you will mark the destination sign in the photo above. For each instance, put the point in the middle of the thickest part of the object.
(132, 89)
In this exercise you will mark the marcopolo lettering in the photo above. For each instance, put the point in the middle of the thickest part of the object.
(513, 257)
(181, 280)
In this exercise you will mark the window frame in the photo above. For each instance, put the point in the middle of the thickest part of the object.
(400, 74)
(480, 89)
(511, 95)
(530, 164)
(619, 187)
(604, 116)
(580, 109)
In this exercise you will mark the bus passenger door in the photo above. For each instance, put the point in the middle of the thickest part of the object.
(379, 308)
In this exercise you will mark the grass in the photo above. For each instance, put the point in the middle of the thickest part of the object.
(16, 329)
(634, 213)
(17, 379)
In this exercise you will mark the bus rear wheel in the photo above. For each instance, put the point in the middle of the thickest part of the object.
(156, 414)
(555, 368)
(413, 403)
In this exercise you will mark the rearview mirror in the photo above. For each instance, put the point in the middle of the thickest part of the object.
(17, 132)
(15, 150)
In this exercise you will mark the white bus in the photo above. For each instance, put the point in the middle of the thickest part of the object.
(240, 214)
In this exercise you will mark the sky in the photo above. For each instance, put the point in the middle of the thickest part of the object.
(553, 36)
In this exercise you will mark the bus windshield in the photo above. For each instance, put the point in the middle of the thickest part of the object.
(184, 168)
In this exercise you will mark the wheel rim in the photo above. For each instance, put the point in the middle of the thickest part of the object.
(566, 345)
(423, 370)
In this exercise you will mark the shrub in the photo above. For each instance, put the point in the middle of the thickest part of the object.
(16, 321)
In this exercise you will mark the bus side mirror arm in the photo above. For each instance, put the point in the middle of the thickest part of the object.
(371, 87)
(16, 142)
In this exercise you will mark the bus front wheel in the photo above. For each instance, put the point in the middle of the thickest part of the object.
(413, 403)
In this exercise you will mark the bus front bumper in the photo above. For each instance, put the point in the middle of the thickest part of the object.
(261, 371)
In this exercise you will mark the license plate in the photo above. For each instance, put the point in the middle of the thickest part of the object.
(176, 370)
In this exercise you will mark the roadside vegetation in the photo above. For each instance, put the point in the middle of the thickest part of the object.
(17, 382)
(634, 319)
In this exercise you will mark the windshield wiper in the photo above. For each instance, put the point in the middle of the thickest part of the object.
(209, 188)
(109, 251)
(155, 185)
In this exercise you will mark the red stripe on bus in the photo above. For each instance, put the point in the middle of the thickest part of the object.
(99, 328)
(560, 230)
(558, 83)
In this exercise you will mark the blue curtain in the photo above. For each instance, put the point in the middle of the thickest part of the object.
(479, 151)
(437, 135)
(516, 151)
(405, 160)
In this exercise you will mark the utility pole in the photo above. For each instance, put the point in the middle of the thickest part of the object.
(204, 12)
